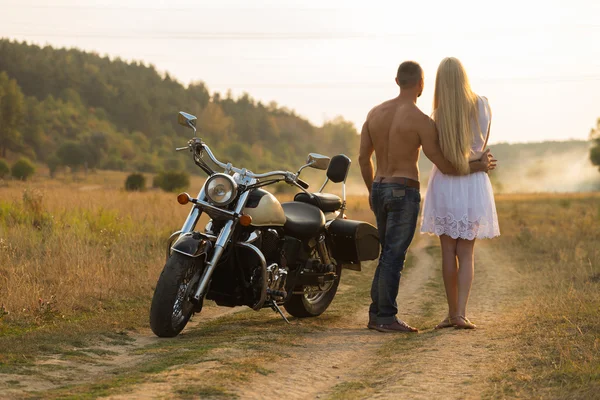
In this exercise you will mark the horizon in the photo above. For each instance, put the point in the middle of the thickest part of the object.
(298, 55)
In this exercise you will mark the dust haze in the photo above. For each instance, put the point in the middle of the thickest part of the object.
(553, 172)
(525, 168)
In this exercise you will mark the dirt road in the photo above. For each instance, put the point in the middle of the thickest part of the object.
(255, 356)
(446, 364)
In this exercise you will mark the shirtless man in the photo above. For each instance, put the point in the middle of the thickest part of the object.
(395, 130)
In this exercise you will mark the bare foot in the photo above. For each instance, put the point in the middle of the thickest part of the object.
(461, 322)
(446, 323)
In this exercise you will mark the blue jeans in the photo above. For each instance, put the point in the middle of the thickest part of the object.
(396, 209)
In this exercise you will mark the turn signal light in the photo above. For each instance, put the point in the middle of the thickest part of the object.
(183, 198)
(245, 220)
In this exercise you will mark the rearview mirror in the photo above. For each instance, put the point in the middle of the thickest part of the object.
(187, 120)
(317, 161)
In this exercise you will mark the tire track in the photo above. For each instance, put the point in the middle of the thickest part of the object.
(336, 356)
(421, 366)
(104, 356)
(454, 364)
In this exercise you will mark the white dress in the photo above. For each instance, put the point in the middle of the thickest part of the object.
(462, 206)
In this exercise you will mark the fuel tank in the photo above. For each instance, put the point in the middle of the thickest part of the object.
(264, 208)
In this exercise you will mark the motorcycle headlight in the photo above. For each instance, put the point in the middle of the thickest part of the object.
(221, 189)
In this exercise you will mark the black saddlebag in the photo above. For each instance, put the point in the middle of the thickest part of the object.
(353, 242)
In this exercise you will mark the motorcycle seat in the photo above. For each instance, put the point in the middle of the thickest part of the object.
(325, 201)
(303, 221)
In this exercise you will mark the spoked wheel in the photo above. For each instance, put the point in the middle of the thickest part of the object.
(315, 299)
(171, 308)
(315, 294)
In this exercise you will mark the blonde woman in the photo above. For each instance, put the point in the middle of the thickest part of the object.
(459, 209)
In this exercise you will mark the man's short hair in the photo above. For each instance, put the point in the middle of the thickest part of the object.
(409, 74)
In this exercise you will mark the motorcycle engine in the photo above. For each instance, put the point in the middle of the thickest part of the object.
(270, 245)
(276, 277)
(276, 270)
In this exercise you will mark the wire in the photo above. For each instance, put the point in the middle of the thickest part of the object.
(246, 36)
(168, 8)
(219, 36)
(341, 85)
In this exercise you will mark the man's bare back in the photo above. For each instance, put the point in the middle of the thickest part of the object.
(394, 127)
(396, 130)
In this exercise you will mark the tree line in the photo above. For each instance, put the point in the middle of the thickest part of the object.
(66, 107)
(595, 150)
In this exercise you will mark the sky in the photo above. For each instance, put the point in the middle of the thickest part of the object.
(538, 62)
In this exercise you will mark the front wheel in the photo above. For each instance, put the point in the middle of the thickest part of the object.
(171, 308)
(315, 299)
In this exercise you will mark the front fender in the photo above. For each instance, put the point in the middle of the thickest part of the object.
(192, 244)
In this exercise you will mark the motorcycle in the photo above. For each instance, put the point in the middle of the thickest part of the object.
(256, 251)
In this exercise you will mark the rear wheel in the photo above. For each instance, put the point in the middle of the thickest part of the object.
(171, 308)
(315, 299)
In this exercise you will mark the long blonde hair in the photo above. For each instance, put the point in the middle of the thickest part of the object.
(454, 112)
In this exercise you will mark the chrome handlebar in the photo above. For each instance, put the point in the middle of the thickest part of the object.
(243, 171)
(196, 145)
(214, 159)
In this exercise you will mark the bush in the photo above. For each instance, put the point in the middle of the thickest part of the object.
(595, 154)
(135, 182)
(171, 181)
(72, 154)
(53, 163)
(4, 169)
(22, 169)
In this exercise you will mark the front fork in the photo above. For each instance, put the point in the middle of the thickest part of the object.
(220, 244)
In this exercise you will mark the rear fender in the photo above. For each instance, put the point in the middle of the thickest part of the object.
(192, 244)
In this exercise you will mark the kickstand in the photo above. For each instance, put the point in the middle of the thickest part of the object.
(276, 308)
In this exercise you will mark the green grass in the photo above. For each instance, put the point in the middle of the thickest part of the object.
(194, 391)
(350, 390)
(101, 352)
(81, 357)
(24, 343)
(256, 339)
(119, 338)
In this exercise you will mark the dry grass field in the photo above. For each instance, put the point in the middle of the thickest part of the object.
(79, 259)
(554, 243)
(71, 247)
